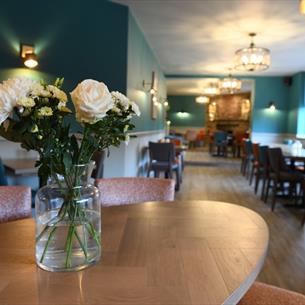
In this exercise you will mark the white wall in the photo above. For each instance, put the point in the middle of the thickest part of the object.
(131, 160)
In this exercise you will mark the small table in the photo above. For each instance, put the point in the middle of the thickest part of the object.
(23, 167)
(184, 252)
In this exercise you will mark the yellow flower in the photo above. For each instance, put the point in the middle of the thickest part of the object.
(26, 102)
(57, 93)
(34, 128)
(45, 111)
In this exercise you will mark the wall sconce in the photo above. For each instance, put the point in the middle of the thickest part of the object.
(152, 89)
(271, 106)
(164, 101)
(27, 53)
(182, 113)
(202, 99)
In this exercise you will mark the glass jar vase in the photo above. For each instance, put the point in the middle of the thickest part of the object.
(68, 222)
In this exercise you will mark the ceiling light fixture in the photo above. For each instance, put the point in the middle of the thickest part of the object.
(302, 7)
(230, 84)
(212, 89)
(252, 58)
(27, 53)
(202, 99)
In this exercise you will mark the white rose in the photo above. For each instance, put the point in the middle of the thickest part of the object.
(91, 100)
(121, 99)
(6, 104)
(18, 87)
(135, 108)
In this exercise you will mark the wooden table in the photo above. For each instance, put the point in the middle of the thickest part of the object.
(188, 252)
(22, 167)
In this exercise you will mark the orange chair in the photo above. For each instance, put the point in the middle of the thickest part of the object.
(15, 203)
(263, 294)
(121, 191)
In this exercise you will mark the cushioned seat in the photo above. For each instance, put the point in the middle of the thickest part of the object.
(15, 203)
(119, 191)
(263, 294)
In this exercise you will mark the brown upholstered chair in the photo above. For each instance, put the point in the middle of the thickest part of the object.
(15, 203)
(120, 191)
(263, 294)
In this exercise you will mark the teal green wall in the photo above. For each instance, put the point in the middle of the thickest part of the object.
(270, 89)
(196, 112)
(141, 63)
(76, 40)
(266, 89)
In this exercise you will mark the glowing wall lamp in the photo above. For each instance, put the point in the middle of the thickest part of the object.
(151, 85)
(271, 106)
(182, 114)
(27, 53)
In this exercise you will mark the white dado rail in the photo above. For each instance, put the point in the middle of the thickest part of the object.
(131, 160)
(268, 138)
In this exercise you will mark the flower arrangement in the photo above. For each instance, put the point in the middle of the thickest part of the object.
(36, 115)
(33, 113)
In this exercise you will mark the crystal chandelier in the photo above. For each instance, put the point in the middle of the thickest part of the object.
(202, 99)
(211, 89)
(230, 84)
(252, 58)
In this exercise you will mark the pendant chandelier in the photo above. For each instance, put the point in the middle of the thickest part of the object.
(202, 99)
(252, 58)
(211, 89)
(230, 84)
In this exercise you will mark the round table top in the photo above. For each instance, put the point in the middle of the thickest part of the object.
(183, 252)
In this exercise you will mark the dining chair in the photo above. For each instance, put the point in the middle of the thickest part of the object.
(221, 143)
(303, 191)
(248, 157)
(120, 191)
(255, 164)
(279, 174)
(264, 294)
(263, 170)
(163, 159)
(98, 157)
(3, 178)
(15, 203)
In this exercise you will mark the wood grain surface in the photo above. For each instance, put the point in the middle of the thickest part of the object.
(186, 252)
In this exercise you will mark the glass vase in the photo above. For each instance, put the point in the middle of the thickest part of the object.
(68, 222)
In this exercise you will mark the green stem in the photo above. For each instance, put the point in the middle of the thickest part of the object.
(47, 244)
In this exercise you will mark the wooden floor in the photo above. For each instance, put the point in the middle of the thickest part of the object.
(215, 178)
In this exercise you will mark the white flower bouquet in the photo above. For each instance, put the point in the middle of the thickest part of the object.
(37, 115)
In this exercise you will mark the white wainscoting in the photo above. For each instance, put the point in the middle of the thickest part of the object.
(131, 160)
(265, 138)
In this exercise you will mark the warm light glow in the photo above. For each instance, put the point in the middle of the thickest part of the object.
(252, 58)
(183, 114)
(272, 106)
(202, 99)
(211, 90)
(168, 122)
(154, 99)
(30, 61)
(230, 84)
(152, 91)
(302, 7)
(165, 104)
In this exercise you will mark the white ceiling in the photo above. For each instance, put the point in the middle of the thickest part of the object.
(195, 86)
(200, 37)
